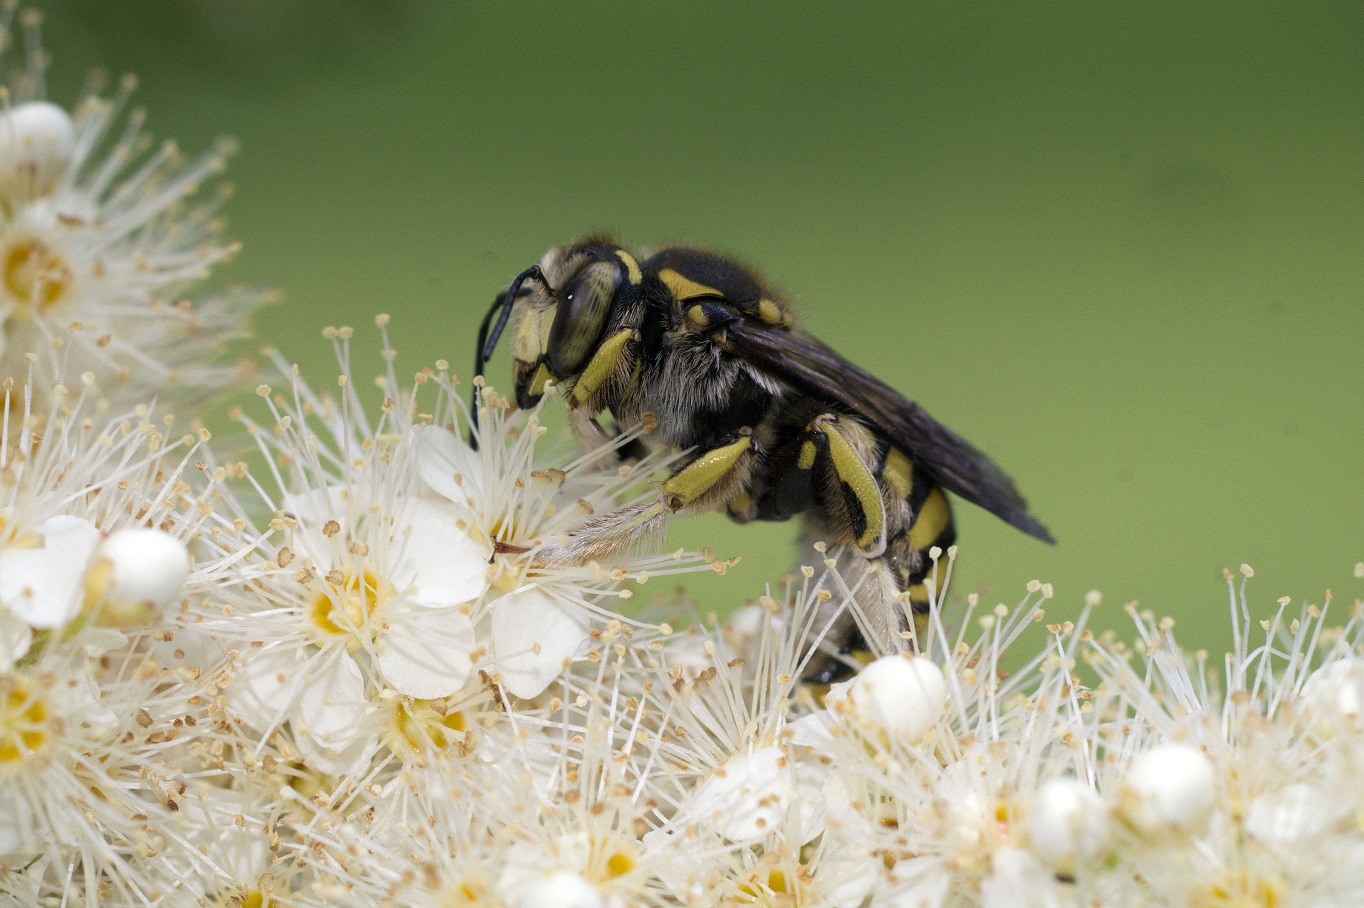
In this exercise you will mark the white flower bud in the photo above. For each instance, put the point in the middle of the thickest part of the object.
(559, 890)
(135, 574)
(1067, 825)
(36, 141)
(1333, 698)
(1169, 788)
(748, 796)
(903, 696)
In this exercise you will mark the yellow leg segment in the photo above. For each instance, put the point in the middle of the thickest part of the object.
(862, 494)
(600, 366)
(701, 475)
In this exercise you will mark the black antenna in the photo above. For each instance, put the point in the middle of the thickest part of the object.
(487, 341)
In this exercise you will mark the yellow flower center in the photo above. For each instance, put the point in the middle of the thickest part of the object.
(34, 274)
(24, 724)
(770, 886)
(469, 892)
(610, 859)
(251, 898)
(507, 572)
(346, 604)
(417, 726)
(1243, 889)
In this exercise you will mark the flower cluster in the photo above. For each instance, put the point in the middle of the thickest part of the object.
(333, 671)
(100, 241)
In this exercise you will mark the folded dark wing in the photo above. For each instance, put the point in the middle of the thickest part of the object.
(801, 361)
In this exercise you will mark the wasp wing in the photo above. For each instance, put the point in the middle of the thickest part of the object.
(801, 361)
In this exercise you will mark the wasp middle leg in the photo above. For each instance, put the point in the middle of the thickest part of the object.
(705, 484)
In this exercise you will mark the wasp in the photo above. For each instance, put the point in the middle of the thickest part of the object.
(710, 359)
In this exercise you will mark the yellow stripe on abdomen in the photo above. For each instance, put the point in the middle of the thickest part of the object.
(934, 516)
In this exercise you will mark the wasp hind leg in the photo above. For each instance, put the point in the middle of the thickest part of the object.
(705, 484)
(839, 455)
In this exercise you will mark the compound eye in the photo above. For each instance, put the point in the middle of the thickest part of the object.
(583, 305)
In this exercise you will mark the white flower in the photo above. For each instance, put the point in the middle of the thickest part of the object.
(1333, 697)
(98, 247)
(1294, 812)
(399, 602)
(542, 619)
(533, 636)
(78, 773)
(87, 476)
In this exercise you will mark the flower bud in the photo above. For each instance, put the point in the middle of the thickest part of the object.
(36, 141)
(135, 574)
(1066, 825)
(1333, 697)
(560, 890)
(1169, 788)
(903, 696)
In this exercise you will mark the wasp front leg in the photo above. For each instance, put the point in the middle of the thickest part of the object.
(611, 372)
(705, 484)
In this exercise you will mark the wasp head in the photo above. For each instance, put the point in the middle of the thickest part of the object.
(559, 309)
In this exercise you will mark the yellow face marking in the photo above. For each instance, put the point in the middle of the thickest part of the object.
(631, 266)
(530, 339)
(933, 517)
(702, 474)
(696, 317)
(600, 367)
(852, 470)
(807, 456)
(542, 377)
(684, 288)
(898, 473)
(770, 312)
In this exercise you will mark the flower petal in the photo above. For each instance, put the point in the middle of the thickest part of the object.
(259, 691)
(43, 585)
(439, 563)
(532, 636)
(333, 702)
(448, 465)
(15, 638)
(424, 652)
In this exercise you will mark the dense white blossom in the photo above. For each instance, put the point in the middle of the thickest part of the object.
(336, 673)
(101, 240)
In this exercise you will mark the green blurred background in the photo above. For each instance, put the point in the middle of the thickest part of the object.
(1119, 246)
